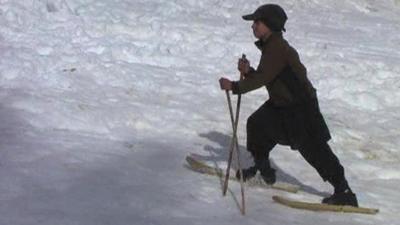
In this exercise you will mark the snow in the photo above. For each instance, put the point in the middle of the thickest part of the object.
(100, 102)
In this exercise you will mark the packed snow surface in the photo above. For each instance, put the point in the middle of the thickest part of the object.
(100, 102)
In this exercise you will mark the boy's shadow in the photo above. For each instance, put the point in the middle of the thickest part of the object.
(220, 154)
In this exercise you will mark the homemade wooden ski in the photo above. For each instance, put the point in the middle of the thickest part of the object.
(322, 207)
(202, 167)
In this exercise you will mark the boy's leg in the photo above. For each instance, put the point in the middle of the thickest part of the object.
(259, 127)
(321, 157)
(259, 143)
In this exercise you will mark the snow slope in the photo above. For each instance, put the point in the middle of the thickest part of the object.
(100, 101)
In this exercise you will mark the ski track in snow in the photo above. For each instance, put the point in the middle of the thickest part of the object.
(100, 101)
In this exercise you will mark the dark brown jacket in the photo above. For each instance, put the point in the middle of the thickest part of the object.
(293, 100)
(281, 71)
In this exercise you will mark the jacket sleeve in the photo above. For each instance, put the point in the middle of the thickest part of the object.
(271, 64)
(249, 74)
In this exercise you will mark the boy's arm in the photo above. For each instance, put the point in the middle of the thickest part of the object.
(270, 66)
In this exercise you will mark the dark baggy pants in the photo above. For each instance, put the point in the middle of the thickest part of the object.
(266, 128)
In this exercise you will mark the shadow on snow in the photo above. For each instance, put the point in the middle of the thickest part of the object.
(220, 154)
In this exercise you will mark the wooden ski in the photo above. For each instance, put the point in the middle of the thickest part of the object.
(201, 167)
(322, 207)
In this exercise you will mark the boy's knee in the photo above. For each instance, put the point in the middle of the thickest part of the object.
(252, 123)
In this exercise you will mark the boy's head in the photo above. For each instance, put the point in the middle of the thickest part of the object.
(273, 16)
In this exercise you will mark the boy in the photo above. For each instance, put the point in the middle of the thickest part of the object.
(291, 116)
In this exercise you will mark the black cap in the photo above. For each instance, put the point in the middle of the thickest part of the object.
(271, 14)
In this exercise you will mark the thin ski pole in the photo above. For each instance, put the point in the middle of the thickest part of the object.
(232, 147)
(234, 143)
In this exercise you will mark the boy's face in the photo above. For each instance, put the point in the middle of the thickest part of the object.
(260, 30)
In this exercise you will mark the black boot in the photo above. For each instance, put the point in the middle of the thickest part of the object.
(267, 173)
(247, 173)
(268, 176)
(343, 194)
(342, 198)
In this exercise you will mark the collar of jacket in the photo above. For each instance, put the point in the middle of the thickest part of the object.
(263, 42)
